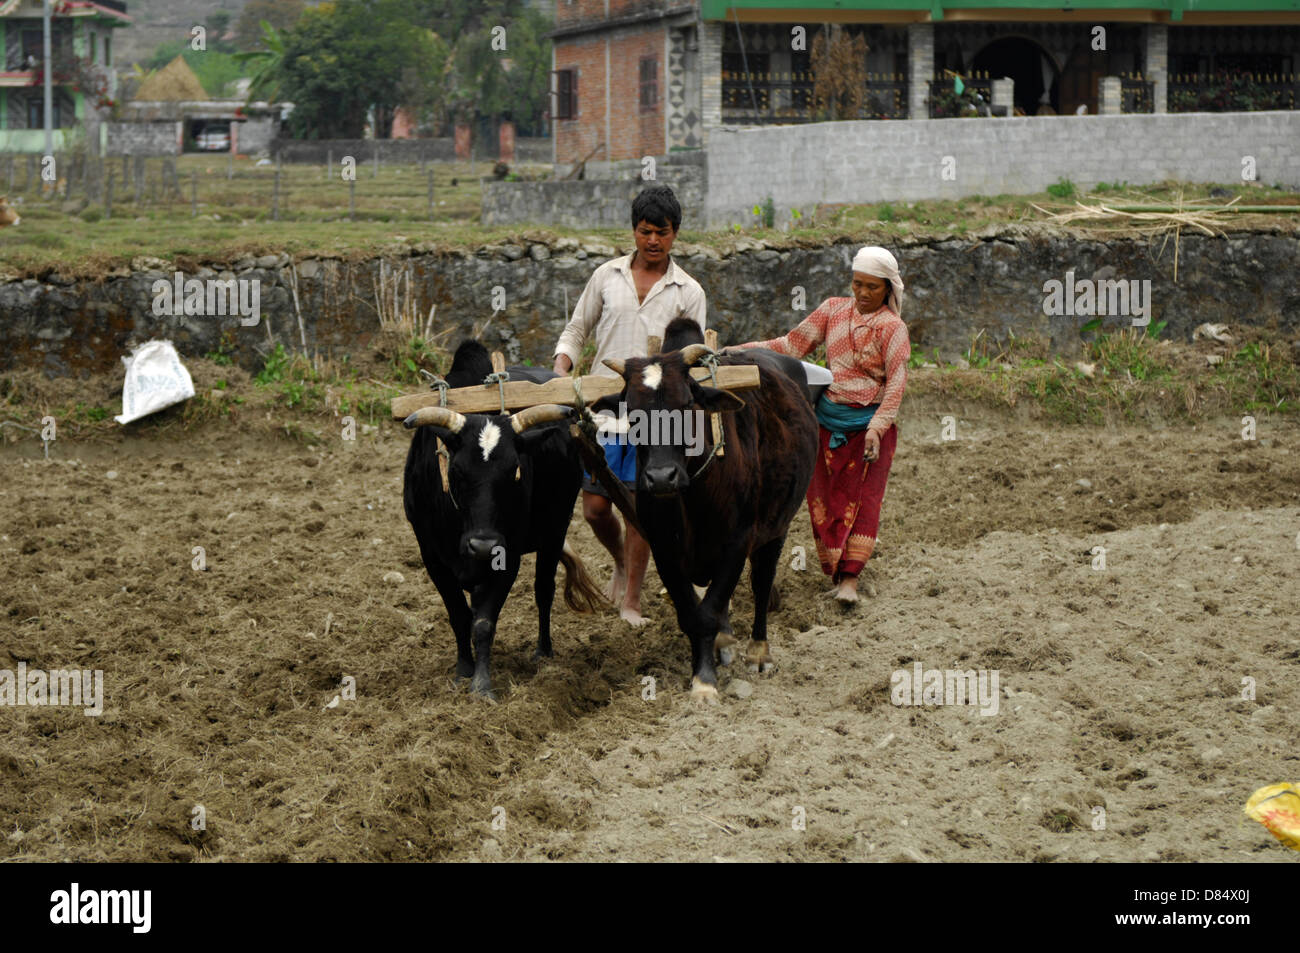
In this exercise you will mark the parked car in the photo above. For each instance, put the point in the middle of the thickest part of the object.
(213, 140)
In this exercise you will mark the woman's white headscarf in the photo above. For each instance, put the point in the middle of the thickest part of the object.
(877, 261)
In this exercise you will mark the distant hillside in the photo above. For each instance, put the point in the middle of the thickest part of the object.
(157, 21)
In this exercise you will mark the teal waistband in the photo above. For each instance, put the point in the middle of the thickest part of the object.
(842, 420)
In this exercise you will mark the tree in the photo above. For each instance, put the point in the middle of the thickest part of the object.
(344, 59)
(281, 14)
(265, 63)
(217, 24)
(839, 62)
(482, 80)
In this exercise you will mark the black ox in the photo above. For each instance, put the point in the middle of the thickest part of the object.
(705, 515)
(513, 481)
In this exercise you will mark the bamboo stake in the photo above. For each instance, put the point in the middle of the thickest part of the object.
(711, 341)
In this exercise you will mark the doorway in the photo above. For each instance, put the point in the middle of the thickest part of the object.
(1028, 65)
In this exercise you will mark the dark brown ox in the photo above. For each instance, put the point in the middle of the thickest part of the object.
(704, 515)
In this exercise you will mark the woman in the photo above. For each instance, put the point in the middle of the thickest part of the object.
(867, 350)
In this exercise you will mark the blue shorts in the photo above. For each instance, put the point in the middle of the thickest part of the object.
(621, 458)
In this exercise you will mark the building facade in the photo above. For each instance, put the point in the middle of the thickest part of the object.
(648, 77)
(81, 44)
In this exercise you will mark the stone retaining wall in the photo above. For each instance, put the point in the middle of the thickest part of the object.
(955, 287)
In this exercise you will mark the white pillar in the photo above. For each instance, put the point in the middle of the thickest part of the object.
(1157, 65)
(710, 76)
(920, 68)
(1112, 97)
(1004, 96)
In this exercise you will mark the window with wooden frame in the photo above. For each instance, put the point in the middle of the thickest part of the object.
(566, 94)
(649, 84)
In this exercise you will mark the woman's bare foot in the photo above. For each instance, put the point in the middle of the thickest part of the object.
(847, 591)
(633, 617)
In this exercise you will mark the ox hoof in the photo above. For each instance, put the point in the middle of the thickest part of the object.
(726, 656)
(482, 687)
(762, 668)
(702, 692)
(540, 656)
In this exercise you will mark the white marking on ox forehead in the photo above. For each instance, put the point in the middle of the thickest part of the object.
(488, 438)
(651, 375)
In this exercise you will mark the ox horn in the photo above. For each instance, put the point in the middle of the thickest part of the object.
(436, 417)
(541, 414)
(692, 353)
(614, 364)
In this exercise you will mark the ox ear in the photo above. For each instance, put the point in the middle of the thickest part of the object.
(447, 438)
(527, 441)
(716, 400)
(609, 403)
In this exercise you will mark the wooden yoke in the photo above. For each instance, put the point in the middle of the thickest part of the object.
(486, 399)
(711, 341)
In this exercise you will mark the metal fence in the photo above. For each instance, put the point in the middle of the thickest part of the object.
(133, 179)
(763, 97)
(946, 103)
(116, 186)
(1233, 91)
(1137, 95)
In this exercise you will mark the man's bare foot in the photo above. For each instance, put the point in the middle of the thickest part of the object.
(617, 585)
(633, 617)
(847, 591)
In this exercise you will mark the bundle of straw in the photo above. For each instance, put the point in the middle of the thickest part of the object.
(1199, 214)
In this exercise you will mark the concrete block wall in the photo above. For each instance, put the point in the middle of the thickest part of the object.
(598, 202)
(142, 138)
(801, 166)
(254, 136)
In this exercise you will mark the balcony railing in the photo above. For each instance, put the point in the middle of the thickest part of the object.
(946, 103)
(1233, 92)
(758, 97)
(1136, 94)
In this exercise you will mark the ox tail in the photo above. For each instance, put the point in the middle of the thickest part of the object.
(580, 591)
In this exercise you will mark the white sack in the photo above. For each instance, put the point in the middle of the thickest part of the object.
(155, 378)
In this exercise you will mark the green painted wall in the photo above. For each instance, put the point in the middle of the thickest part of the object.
(28, 140)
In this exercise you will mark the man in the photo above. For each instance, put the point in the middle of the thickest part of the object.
(627, 300)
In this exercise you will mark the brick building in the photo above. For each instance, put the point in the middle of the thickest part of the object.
(648, 77)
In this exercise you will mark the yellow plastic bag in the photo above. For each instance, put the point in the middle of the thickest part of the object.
(1277, 807)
